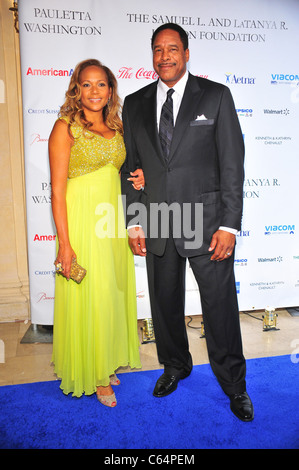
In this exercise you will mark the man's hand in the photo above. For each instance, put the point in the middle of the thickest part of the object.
(137, 178)
(137, 241)
(223, 243)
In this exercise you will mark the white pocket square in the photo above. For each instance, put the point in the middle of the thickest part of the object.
(201, 118)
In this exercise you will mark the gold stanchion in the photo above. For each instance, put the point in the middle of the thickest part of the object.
(270, 319)
(148, 335)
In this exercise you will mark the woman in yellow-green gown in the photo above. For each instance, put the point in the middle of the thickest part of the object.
(95, 321)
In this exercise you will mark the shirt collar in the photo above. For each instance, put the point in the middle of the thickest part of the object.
(179, 87)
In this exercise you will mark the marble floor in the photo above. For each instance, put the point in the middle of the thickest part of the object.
(24, 363)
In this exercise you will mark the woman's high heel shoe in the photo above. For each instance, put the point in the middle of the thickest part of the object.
(114, 380)
(107, 400)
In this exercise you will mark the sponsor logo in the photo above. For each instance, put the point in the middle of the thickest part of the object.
(49, 72)
(244, 233)
(235, 80)
(277, 259)
(42, 111)
(244, 112)
(141, 73)
(42, 297)
(279, 229)
(279, 112)
(281, 78)
(241, 262)
(37, 139)
(44, 238)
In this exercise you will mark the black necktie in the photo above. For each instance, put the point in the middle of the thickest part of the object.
(166, 123)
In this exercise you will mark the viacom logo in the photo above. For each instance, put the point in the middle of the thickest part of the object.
(279, 229)
(287, 79)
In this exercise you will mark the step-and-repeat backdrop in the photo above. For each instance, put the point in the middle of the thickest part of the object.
(249, 46)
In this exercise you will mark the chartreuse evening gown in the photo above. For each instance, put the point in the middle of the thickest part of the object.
(95, 322)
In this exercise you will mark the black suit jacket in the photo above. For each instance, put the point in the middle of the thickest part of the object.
(205, 165)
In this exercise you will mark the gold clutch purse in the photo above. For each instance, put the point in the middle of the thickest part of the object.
(77, 272)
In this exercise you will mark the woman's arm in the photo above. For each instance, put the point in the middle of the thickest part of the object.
(60, 144)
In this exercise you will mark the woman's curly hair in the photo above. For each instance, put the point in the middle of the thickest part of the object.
(72, 106)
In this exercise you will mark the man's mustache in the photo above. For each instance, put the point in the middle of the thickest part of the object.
(167, 64)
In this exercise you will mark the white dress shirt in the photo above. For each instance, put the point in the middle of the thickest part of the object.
(179, 89)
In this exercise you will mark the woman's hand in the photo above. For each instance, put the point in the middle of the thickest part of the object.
(64, 260)
(137, 179)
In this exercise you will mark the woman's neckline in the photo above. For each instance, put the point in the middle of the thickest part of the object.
(100, 135)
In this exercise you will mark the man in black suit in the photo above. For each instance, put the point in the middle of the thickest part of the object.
(191, 152)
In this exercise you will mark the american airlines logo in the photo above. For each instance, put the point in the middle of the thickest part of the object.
(44, 238)
(52, 72)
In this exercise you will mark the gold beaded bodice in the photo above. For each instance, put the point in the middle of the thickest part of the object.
(91, 151)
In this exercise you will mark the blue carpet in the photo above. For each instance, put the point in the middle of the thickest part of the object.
(196, 416)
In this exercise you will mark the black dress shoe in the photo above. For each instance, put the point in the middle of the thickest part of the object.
(165, 385)
(241, 406)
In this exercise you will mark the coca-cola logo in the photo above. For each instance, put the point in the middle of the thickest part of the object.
(141, 73)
